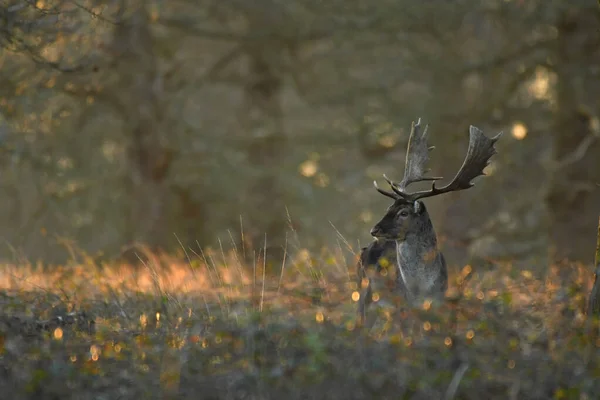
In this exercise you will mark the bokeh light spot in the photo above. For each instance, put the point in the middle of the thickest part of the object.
(519, 131)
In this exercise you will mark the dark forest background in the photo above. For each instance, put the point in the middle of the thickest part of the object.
(162, 122)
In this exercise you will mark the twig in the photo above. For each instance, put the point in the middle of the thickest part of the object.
(262, 293)
(242, 234)
(507, 57)
(187, 256)
(213, 265)
(283, 263)
(342, 237)
(237, 258)
(594, 300)
(223, 253)
(577, 154)
(453, 387)
(212, 280)
(253, 270)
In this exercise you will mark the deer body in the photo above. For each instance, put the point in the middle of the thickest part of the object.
(421, 267)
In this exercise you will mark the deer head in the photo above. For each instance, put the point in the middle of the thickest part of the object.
(408, 215)
(401, 219)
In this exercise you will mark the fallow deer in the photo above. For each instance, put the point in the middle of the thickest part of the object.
(405, 235)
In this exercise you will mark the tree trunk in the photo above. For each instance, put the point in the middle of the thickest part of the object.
(148, 155)
(573, 197)
(262, 120)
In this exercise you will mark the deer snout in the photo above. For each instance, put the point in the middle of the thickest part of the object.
(375, 231)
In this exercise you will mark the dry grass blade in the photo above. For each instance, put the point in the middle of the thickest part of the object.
(453, 387)
(594, 300)
(264, 272)
(283, 263)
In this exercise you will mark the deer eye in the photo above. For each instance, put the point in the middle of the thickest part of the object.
(403, 213)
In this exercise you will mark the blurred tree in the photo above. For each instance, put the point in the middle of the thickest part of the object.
(139, 100)
(573, 197)
(131, 121)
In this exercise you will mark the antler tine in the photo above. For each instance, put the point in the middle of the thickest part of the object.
(417, 156)
(393, 185)
(385, 192)
(481, 149)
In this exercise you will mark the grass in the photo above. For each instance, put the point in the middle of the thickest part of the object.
(211, 327)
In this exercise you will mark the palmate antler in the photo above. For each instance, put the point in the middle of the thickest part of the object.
(481, 149)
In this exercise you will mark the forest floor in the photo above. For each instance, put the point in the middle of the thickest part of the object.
(206, 329)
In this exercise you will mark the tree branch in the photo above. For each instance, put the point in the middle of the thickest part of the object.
(508, 57)
(577, 154)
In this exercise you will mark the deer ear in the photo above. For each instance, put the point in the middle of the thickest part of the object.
(418, 207)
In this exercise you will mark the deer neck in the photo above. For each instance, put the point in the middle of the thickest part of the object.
(417, 250)
(418, 260)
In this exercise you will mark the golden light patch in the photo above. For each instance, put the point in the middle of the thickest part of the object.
(308, 168)
(376, 297)
(541, 84)
(143, 320)
(519, 131)
(427, 326)
(426, 305)
(527, 274)
(58, 333)
(470, 334)
(355, 296)
(448, 341)
(95, 352)
(319, 317)
(467, 269)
